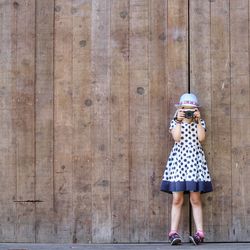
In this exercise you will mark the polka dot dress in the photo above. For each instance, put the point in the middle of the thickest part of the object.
(186, 169)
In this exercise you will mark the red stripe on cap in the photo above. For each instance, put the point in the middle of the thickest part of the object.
(188, 102)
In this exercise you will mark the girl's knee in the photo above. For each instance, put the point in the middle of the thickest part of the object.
(195, 200)
(178, 200)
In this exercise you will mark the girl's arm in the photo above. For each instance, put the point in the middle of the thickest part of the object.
(176, 131)
(200, 130)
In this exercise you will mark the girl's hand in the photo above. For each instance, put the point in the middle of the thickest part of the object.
(180, 115)
(197, 115)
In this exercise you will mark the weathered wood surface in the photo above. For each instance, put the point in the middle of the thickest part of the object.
(44, 189)
(101, 132)
(7, 133)
(119, 111)
(82, 117)
(158, 111)
(63, 121)
(139, 119)
(23, 117)
(240, 118)
(221, 124)
(200, 61)
(220, 77)
(177, 78)
(210, 72)
(87, 91)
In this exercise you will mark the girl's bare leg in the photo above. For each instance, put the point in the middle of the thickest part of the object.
(176, 210)
(195, 199)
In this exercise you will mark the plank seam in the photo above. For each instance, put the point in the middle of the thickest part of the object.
(230, 80)
(110, 155)
(211, 86)
(34, 121)
(73, 124)
(129, 121)
(92, 119)
(166, 92)
(53, 111)
(73, 116)
(15, 70)
(149, 105)
(128, 79)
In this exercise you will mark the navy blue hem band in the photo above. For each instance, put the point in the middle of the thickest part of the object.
(186, 186)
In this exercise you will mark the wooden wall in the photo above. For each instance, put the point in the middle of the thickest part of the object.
(219, 37)
(87, 90)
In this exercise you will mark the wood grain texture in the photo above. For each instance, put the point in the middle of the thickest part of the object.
(63, 121)
(87, 91)
(24, 114)
(210, 65)
(221, 125)
(44, 224)
(240, 117)
(119, 113)
(7, 119)
(177, 75)
(224, 75)
(200, 75)
(82, 119)
(158, 111)
(101, 143)
(139, 119)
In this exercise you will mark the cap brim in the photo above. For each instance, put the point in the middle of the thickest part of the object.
(177, 105)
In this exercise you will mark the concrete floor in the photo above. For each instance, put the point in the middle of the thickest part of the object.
(161, 246)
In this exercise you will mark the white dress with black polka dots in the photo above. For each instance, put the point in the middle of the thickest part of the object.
(186, 168)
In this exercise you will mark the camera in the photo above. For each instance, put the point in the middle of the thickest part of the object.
(189, 113)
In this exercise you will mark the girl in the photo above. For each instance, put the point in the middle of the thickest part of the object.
(186, 170)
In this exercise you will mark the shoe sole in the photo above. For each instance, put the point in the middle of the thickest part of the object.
(192, 240)
(176, 242)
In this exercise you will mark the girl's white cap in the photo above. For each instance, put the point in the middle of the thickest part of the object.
(188, 99)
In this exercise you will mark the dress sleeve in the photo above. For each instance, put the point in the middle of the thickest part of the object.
(172, 125)
(203, 124)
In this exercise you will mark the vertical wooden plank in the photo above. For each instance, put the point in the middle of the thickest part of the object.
(44, 122)
(24, 19)
(201, 86)
(177, 50)
(7, 115)
(240, 118)
(119, 101)
(158, 205)
(63, 121)
(220, 125)
(139, 119)
(177, 72)
(101, 210)
(82, 115)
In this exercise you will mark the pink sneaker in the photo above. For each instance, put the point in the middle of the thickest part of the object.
(196, 239)
(175, 239)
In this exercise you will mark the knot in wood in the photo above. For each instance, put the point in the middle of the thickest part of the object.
(162, 36)
(15, 4)
(57, 8)
(83, 43)
(140, 90)
(88, 102)
(123, 14)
